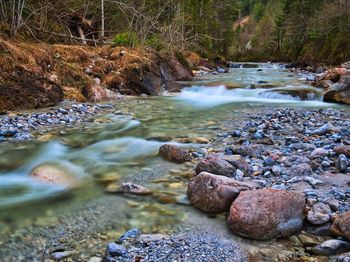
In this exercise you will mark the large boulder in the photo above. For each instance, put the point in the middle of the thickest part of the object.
(267, 213)
(341, 225)
(216, 166)
(174, 154)
(212, 193)
(339, 92)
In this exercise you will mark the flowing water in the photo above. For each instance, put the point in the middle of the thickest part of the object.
(123, 147)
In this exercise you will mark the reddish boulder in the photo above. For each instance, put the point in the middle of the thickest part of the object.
(174, 154)
(341, 225)
(267, 213)
(212, 193)
(216, 166)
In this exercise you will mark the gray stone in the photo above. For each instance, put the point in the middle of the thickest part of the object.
(319, 214)
(331, 247)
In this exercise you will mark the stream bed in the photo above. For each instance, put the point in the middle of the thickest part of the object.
(122, 146)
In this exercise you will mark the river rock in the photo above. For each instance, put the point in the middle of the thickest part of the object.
(331, 247)
(301, 170)
(249, 150)
(212, 193)
(319, 214)
(319, 153)
(342, 163)
(129, 188)
(267, 213)
(325, 129)
(115, 250)
(343, 149)
(174, 154)
(341, 225)
(97, 93)
(217, 166)
(54, 175)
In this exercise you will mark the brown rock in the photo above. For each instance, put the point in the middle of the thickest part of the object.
(248, 150)
(96, 93)
(212, 193)
(341, 225)
(267, 214)
(174, 154)
(343, 149)
(216, 166)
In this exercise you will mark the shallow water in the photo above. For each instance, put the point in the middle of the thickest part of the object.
(125, 147)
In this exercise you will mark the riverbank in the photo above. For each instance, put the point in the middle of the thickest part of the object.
(43, 75)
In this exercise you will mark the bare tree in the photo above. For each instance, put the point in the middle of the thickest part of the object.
(11, 14)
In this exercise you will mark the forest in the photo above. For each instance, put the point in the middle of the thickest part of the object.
(308, 30)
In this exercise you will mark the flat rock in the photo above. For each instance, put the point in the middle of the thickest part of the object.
(212, 193)
(325, 129)
(267, 213)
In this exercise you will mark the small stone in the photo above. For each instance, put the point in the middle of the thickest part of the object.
(132, 233)
(308, 240)
(319, 214)
(115, 250)
(342, 163)
(239, 175)
(129, 188)
(59, 255)
(313, 181)
(325, 129)
(174, 154)
(331, 247)
(341, 225)
(301, 170)
(319, 153)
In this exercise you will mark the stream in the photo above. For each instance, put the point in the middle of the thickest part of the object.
(123, 147)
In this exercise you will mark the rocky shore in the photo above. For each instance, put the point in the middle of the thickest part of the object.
(23, 127)
(283, 174)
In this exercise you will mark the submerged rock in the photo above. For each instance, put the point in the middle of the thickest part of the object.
(267, 214)
(129, 188)
(174, 154)
(54, 175)
(212, 193)
(115, 250)
(341, 225)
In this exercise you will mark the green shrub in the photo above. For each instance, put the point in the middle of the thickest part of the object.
(155, 42)
(129, 39)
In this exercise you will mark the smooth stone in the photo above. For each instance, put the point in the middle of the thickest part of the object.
(267, 213)
(216, 166)
(331, 247)
(115, 250)
(325, 129)
(319, 214)
(129, 188)
(319, 153)
(212, 193)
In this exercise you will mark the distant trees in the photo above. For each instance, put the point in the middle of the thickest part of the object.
(12, 14)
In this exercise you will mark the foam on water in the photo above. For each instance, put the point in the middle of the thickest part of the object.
(205, 97)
